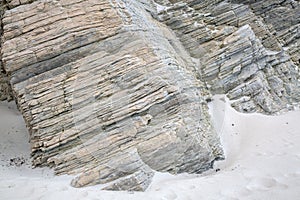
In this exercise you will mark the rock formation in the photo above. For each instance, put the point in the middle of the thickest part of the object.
(246, 49)
(112, 90)
(5, 89)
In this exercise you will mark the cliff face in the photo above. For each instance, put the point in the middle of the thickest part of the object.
(248, 50)
(107, 92)
(112, 90)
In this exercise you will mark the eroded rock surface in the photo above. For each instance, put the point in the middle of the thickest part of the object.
(107, 92)
(113, 90)
(5, 89)
(246, 49)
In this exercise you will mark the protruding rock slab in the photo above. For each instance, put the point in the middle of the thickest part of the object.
(107, 92)
(245, 49)
(112, 90)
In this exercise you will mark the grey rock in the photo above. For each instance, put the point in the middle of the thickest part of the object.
(244, 49)
(114, 90)
(108, 93)
(5, 89)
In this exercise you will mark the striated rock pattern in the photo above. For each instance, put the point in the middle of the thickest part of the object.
(5, 89)
(114, 90)
(107, 92)
(248, 50)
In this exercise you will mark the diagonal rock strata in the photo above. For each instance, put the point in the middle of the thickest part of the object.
(107, 92)
(114, 90)
(241, 48)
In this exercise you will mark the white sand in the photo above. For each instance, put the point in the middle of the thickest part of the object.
(263, 162)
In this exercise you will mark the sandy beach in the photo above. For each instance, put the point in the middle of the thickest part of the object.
(262, 162)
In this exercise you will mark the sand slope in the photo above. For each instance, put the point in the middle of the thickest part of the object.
(263, 162)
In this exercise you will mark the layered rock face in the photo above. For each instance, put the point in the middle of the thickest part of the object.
(246, 49)
(107, 92)
(113, 90)
(5, 89)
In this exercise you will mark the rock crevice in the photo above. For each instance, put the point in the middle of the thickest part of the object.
(5, 88)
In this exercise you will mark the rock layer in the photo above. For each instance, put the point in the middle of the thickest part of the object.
(107, 92)
(113, 90)
(5, 89)
(248, 50)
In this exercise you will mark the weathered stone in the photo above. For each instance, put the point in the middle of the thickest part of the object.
(112, 90)
(5, 89)
(107, 92)
(244, 49)
(243, 67)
